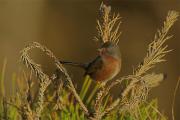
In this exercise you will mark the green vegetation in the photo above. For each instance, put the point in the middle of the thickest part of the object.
(66, 108)
(43, 97)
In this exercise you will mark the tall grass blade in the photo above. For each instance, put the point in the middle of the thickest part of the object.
(2, 78)
(84, 92)
(84, 85)
(174, 98)
(92, 94)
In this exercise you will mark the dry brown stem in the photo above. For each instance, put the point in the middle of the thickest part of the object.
(45, 79)
(108, 26)
(156, 52)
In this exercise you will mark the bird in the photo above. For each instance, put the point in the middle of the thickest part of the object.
(105, 66)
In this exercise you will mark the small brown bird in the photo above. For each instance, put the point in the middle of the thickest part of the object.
(105, 66)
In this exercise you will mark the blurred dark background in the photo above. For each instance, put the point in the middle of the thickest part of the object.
(67, 27)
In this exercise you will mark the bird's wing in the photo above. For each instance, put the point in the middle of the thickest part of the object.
(94, 66)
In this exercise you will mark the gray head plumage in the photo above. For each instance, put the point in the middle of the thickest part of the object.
(110, 48)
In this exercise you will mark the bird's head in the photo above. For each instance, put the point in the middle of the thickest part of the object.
(110, 49)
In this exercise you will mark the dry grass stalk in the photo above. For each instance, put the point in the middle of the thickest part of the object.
(45, 80)
(35, 68)
(58, 88)
(26, 112)
(153, 80)
(156, 52)
(108, 26)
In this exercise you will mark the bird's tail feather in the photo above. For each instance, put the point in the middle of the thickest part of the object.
(81, 65)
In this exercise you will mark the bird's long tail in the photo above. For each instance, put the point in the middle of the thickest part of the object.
(81, 65)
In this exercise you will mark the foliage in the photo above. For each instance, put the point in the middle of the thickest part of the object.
(68, 109)
(56, 98)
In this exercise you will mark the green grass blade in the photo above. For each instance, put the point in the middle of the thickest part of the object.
(86, 79)
(13, 83)
(92, 94)
(106, 101)
(86, 89)
(2, 77)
